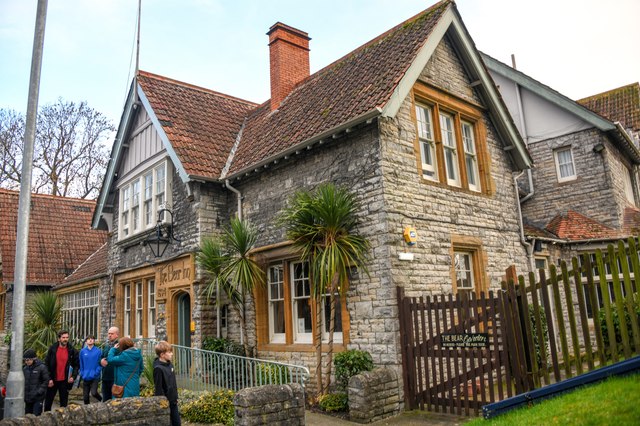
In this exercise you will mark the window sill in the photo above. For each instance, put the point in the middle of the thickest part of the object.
(134, 240)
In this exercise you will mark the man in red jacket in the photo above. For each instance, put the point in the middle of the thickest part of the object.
(60, 357)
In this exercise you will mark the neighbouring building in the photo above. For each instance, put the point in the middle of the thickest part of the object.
(60, 239)
(583, 192)
(411, 122)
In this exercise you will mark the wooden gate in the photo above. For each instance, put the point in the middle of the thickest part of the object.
(460, 353)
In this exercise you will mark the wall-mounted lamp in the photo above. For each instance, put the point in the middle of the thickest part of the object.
(598, 148)
(159, 240)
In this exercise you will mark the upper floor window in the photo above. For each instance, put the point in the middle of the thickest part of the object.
(141, 198)
(564, 164)
(451, 141)
(628, 185)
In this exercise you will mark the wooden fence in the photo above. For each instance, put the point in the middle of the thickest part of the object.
(462, 352)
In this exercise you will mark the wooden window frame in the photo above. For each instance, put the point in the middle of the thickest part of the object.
(283, 253)
(130, 326)
(441, 103)
(474, 247)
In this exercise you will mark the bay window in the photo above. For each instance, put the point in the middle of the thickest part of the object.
(141, 198)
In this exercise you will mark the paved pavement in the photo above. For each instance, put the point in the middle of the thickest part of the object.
(410, 418)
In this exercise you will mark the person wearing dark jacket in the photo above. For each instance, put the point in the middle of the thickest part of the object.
(108, 369)
(62, 362)
(36, 379)
(164, 379)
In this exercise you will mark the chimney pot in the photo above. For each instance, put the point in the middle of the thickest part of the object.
(289, 60)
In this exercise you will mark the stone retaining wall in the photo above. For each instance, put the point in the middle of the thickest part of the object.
(270, 404)
(127, 411)
(374, 395)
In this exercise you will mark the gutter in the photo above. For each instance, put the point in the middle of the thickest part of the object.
(239, 196)
(321, 138)
(527, 245)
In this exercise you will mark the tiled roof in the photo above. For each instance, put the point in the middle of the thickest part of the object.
(202, 125)
(535, 232)
(575, 226)
(350, 87)
(94, 266)
(621, 104)
(632, 221)
(60, 236)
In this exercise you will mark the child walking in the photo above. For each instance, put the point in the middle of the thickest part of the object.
(90, 369)
(36, 379)
(165, 379)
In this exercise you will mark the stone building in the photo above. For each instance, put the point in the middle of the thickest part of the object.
(411, 122)
(60, 239)
(583, 191)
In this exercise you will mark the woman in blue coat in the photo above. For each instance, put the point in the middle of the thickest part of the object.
(128, 362)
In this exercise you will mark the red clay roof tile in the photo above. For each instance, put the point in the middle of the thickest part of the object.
(575, 226)
(94, 266)
(621, 104)
(60, 236)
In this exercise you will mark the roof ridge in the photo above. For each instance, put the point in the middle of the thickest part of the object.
(87, 259)
(194, 87)
(609, 92)
(51, 196)
(378, 38)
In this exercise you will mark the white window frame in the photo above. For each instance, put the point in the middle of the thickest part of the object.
(298, 335)
(278, 286)
(470, 155)
(628, 185)
(139, 319)
(450, 146)
(80, 310)
(127, 310)
(424, 117)
(467, 269)
(134, 217)
(556, 156)
(151, 308)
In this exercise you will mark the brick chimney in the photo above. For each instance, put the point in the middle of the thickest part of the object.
(289, 58)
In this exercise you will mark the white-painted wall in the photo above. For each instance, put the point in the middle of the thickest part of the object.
(144, 147)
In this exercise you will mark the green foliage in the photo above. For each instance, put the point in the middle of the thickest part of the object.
(7, 338)
(349, 363)
(43, 321)
(222, 345)
(269, 374)
(147, 375)
(210, 407)
(334, 402)
(615, 319)
(544, 350)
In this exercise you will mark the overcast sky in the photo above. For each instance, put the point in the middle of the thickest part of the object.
(578, 47)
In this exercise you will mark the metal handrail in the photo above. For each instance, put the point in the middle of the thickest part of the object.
(198, 369)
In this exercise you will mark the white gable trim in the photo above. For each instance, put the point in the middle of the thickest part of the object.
(451, 21)
(415, 69)
(163, 136)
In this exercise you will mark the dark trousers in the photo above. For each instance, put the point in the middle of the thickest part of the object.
(90, 386)
(106, 390)
(34, 408)
(61, 386)
(174, 414)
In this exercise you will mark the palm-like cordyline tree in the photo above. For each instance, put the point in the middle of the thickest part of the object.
(44, 320)
(227, 262)
(322, 225)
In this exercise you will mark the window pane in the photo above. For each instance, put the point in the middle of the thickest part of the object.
(450, 149)
(565, 163)
(464, 270)
(276, 303)
(301, 302)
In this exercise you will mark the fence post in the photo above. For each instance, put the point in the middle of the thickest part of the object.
(405, 337)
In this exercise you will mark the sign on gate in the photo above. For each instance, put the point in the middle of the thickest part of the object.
(464, 340)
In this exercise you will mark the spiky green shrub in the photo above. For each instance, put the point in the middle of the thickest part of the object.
(147, 375)
(43, 321)
(216, 407)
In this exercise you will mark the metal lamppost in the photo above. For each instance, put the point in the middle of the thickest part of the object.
(159, 240)
(14, 402)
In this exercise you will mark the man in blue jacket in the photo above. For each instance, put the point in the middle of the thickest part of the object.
(90, 369)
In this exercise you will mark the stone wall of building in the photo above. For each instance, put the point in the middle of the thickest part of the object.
(597, 191)
(270, 404)
(153, 411)
(374, 395)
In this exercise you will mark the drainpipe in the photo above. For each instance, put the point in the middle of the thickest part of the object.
(528, 246)
(239, 214)
(226, 183)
